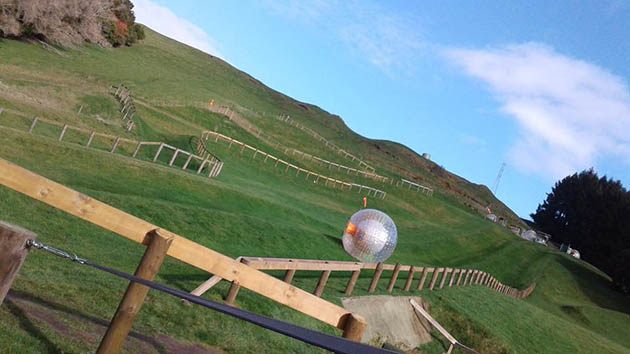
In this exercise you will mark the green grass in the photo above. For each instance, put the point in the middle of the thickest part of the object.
(252, 209)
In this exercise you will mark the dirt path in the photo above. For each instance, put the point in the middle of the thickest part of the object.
(39, 317)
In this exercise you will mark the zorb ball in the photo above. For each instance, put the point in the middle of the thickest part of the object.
(370, 236)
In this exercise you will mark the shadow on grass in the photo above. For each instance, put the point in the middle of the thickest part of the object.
(30, 327)
(596, 287)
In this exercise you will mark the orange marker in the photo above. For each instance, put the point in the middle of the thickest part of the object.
(364, 201)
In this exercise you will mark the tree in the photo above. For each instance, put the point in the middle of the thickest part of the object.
(591, 213)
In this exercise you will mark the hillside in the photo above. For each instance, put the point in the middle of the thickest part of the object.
(250, 209)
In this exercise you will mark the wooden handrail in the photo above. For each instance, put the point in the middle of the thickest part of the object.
(187, 251)
(442, 330)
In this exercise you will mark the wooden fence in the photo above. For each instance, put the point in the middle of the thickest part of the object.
(439, 278)
(252, 129)
(454, 342)
(287, 119)
(209, 163)
(127, 108)
(316, 177)
(415, 186)
(187, 251)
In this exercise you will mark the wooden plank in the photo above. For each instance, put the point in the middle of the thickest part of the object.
(13, 251)
(321, 284)
(377, 275)
(299, 265)
(205, 286)
(135, 295)
(432, 321)
(135, 229)
(392, 281)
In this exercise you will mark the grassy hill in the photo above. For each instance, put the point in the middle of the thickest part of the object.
(252, 209)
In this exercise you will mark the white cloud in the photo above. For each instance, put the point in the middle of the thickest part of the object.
(164, 21)
(570, 113)
(386, 40)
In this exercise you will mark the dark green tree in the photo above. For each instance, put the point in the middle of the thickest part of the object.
(591, 213)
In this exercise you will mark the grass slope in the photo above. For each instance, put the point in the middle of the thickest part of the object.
(250, 209)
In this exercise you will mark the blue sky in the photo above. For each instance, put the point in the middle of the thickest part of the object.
(542, 86)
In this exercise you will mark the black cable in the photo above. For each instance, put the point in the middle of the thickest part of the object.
(325, 341)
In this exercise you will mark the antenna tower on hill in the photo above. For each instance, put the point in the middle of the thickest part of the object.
(498, 179)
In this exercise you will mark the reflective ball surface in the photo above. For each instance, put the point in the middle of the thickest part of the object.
(370, 236)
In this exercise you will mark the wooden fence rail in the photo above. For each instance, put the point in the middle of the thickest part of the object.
(211, 164)
(187, 251)
(440, 277)
(454, 342)
(287, 119)
(316, 177)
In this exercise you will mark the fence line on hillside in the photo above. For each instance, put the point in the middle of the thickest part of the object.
(212, 164)
(307, 173)
(287, 119)
(232, 115)
(127, 107)
(440, 276)
(140, 231)
(417, 187)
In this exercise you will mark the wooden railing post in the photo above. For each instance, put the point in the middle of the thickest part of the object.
(232, 293)
(425, 272)
(392, 281)
(453, 275)
(436, 274)
(134, 296)
(444, 276)
(13, 251)
(288, 276)
(321, 284)
(409, 281)
(352, 282)
(354, 327)
(377, 276)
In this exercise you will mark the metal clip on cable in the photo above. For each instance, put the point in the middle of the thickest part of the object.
(57, 252)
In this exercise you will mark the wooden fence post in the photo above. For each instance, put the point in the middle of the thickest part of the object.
(425, 272)
(352, 282)
(453, 275)
(232, 293)
(392, 281)
(409, 281)
(354, 327)
(90, 138)
(134, 297)
(444, 276)
(321, 284)
(377, 276)
(13, 251)
(63, 132)
(436, 274)
(288, 276)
